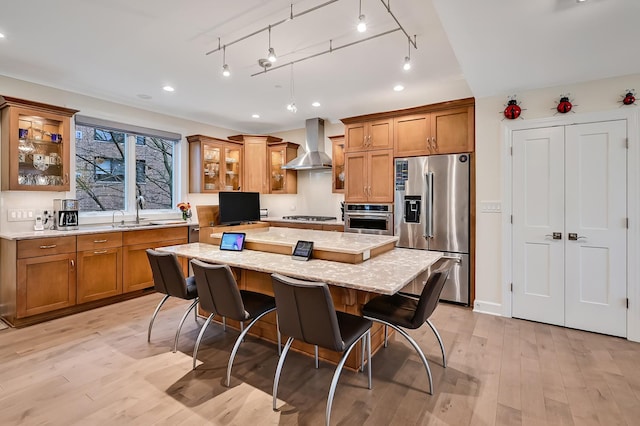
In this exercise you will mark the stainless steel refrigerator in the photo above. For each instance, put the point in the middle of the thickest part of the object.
(432, 213)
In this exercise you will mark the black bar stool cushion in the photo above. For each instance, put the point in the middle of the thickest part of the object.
(396, 309)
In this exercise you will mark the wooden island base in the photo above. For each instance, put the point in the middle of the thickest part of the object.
(344, 299)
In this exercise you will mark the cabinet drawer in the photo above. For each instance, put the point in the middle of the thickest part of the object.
(154, 235)
(99, 241)
(46, 246)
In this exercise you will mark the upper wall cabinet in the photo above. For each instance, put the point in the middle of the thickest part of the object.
(258, 176)
(214, 164)
(368, 134)
(444, 128)
(448, 131)
(337, 164)
(36, 140)
(282, 181)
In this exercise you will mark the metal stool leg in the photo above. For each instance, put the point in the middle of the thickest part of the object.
(386, 335)
(195, 349)
(279, 335)
(316, 353)
(276, 378)
(184, 317)
(435, 331)
(153, 317)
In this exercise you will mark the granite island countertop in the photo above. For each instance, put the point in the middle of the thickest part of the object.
(308, 222)
(383, 274)
(339, 242)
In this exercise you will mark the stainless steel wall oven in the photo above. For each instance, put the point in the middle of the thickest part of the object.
(369, 218)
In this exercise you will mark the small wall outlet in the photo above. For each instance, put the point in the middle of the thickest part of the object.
(20, 215)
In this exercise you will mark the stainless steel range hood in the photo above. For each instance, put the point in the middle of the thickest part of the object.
(314, 158)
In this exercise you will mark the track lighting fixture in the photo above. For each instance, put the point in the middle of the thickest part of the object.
(362, 23)
(225, 68)
(407, 59)
(271, 55)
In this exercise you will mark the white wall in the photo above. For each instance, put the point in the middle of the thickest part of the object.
(102, 109)
(314, 187)
(595, 96)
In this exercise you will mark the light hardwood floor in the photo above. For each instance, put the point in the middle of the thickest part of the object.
(97, 368)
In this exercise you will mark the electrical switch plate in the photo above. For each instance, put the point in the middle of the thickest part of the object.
(20, 215)
(490, 206)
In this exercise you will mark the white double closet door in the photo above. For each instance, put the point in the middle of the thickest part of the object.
(570, 226)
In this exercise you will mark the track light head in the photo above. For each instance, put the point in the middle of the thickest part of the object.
(362, 24)
(292, 107)
(225, 70)
(407, 63)
(271, 56)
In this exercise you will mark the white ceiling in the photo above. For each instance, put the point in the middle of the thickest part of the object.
(118, 50)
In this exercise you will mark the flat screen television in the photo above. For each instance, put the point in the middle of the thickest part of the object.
(238, 207)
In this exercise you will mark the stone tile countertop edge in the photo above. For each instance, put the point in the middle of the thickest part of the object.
(383, 274)
(83, 230)
(339, 242)
(315, 222)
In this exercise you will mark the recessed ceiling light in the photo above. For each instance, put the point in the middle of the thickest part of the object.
(255, 116)
(1, 35)
(315, 104)
(398, 87)
(143, 96)
(168, 89)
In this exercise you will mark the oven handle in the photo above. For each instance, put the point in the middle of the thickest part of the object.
(369, 215)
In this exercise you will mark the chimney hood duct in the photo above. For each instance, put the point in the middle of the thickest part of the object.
(314, 158)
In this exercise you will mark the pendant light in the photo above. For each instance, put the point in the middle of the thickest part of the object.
(225, 68)
(362, 23)
(291, 107)
(271, 54)
(407, 59)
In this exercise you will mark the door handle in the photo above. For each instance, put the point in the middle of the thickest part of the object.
(429, 200)
(575, 237)
(555, 235)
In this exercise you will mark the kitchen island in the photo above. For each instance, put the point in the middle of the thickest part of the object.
(351, 285)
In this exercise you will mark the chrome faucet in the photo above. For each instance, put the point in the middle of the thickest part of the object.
(139, 205)
(113, 218)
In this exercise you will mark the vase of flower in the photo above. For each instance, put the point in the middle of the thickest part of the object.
(185, 208)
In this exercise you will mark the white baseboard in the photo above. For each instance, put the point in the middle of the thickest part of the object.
(487, 308)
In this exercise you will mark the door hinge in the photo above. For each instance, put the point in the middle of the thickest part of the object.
(627, 143)
(627, 303)
(511, 151)
(512, 219)
(511, 288)
(627, 223)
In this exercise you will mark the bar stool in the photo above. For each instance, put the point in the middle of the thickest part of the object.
(401, 310)
(169, 279)
(307, 313)
(219, 293)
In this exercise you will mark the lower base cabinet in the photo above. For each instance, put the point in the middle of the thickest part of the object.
(137, 272)
(45, 278)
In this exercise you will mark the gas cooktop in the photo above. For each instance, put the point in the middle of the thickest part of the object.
(310, 218)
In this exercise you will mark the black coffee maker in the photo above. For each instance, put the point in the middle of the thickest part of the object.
(65, 214)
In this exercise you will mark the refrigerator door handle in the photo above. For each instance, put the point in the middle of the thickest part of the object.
(429, 199)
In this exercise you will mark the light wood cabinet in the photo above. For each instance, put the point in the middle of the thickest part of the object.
(137, 272)
(337, 164)
(447, 131)
(366, 135)
(99, 266)
(214, 164)
(282, 181)
(369, 176)
(36, 140)
(257, 175)
(46, 275)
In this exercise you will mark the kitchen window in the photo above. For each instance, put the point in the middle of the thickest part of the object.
(117, 163)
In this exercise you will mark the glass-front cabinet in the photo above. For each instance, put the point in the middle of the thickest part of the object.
(36, 142)
(214, 164)
(282, 181)
(337, 167)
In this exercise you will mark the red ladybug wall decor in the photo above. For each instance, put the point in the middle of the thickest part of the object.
(513, 110)
(564, 106)
(629, 98)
